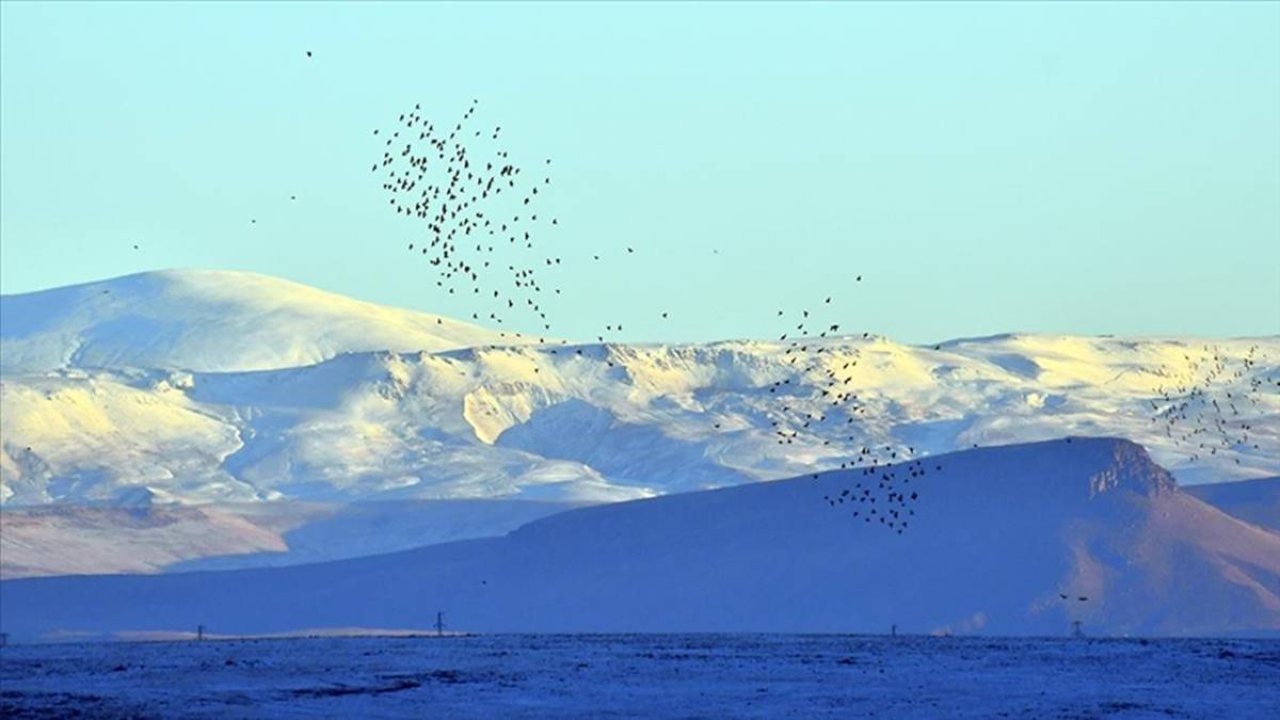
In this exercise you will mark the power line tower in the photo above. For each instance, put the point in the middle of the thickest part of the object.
(439, 624)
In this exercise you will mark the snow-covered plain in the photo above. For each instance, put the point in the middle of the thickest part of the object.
(622, 676)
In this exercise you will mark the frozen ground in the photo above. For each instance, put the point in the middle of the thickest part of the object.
(710, 676)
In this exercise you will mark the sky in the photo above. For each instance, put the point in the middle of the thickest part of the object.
(1085, 168)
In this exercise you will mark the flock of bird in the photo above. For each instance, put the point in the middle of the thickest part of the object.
(483, 231)
(477, 211)
(884, 496)
(1198, 410)
(481, 221)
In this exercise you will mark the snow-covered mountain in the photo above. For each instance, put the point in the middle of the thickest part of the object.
(231, 389)
(115, 391)
(1006, 540)
(207, 320)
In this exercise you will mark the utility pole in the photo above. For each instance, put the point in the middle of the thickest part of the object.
(894, 630)
(1075, 629)
(199, 632)
(4, 639)
(439, 624)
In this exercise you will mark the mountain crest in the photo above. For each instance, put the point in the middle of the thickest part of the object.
(1131, 468)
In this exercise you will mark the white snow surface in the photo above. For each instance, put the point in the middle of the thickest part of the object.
(208, 320)
(200, 387)
(652, 676)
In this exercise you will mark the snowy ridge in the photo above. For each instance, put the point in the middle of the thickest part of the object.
(207, 320)
(1000, 536)
(601, 422)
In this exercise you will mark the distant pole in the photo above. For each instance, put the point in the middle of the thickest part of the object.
(894, 630)
(1075, 629)
(439, 624)
(4, 639)
(199, 632)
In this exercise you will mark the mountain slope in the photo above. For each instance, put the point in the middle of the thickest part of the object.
(999, 533)
(207, 320)
(199, 387)
(607, 422)
(1254, 501)
(145, 538)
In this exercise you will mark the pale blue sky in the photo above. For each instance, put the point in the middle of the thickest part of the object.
(1079, 168)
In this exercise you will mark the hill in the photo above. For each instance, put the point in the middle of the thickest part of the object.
(999, 535)
(208, 321)
(1254, 501)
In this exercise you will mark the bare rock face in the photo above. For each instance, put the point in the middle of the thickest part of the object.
(1131, 468)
